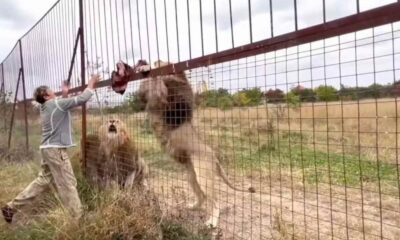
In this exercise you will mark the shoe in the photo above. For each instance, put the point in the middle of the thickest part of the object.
(8, 213)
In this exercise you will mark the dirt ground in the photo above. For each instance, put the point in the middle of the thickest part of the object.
(281, 211)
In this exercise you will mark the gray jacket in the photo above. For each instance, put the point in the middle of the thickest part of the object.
(56, 120)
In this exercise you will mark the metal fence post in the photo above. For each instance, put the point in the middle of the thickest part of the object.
(2, 79)
(83, 75)
(24, 94)
(3, 91)
(13, 110)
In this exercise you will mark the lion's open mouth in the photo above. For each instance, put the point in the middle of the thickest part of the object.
(112, 129)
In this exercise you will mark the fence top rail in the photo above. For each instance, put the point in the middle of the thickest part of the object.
(30, 29)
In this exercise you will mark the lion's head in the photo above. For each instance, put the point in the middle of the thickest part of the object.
(113, 132)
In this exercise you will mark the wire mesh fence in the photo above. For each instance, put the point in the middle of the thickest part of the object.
(304, 110)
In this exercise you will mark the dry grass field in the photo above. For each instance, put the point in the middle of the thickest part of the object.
(322, 169)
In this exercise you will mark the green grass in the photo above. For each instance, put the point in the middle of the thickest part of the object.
(317, 166)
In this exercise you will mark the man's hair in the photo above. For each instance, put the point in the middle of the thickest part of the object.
(40, 93)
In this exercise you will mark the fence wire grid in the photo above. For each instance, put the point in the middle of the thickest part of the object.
(305, 110)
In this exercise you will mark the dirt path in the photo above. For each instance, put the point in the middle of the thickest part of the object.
(280, 212)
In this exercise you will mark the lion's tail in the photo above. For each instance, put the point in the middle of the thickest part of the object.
(223, 175)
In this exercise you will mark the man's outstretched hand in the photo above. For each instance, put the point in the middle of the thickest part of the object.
(93, 81)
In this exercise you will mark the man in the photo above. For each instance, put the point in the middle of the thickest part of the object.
(56, 138)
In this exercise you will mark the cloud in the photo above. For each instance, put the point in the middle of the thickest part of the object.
(14, 15)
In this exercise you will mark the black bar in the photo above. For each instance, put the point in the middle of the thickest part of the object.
(130, 23)
(296, 25)
(117, 25)
(190, 35)
(250, 22)
(147, 30)
(138, 23)
(216, 26)
(177, 31)
(166, 28)
(2, 79)
(71, 67)
(271, 16)
(123, 24)
(24, 94)
(83, 76)
(231, 21)
(13, 111)
(155, 21)
(201, 29)
(3, 91)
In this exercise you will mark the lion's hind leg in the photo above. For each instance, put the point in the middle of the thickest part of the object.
(130, 179)
(204, 172)
(194, 183)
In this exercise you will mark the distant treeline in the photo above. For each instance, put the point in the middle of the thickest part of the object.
(223, 99)
(329, 93)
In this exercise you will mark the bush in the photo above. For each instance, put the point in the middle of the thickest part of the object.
(255, 95)
(376, 91)
(225, 103)
(305, 94)
(326, 93)
(220, 98)
(240, 99)
(133, 102)
(5, 108)
(248, 97)
(292, 99)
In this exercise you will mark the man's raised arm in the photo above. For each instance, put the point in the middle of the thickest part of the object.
(68, 103)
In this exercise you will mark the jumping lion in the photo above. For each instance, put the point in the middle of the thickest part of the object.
(169, 104)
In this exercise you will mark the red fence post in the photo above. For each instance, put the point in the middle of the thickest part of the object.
(83, 70)
(24, 93)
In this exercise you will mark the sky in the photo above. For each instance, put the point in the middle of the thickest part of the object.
(112, 34)
(16, 18)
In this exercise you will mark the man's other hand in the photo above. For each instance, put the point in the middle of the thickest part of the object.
(65, 89)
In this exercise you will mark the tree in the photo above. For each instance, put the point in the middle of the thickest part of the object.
(248, 97)
(274, 96)
(395, 89)
(5, 107)
(220, 98)
(292, 99)
(133, 103)
(326, 93)
(211, 98)
(376, 91)
(305, 94)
